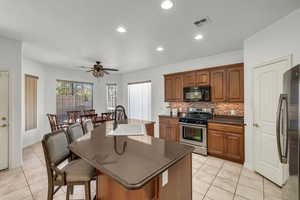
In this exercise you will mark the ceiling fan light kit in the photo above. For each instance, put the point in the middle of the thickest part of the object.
(98, 70)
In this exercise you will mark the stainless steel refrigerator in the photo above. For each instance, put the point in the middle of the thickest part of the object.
(288, 132)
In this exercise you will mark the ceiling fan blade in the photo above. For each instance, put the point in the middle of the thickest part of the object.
(105, 72)
(84, 67)
(90, 70)
(110, 69)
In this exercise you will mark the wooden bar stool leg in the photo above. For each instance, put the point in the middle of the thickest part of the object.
(68, 192)
(87, 186)
(72, 189)
(50, 191)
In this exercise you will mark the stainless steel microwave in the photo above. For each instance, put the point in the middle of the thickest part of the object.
(195, 94)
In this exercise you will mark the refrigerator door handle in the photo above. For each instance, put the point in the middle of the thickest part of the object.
(279, 128)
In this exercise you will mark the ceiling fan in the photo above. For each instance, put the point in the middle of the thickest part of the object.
(98, 70)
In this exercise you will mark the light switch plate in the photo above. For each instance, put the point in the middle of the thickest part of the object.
(165, 178)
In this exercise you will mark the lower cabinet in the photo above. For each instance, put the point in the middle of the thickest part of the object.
(150, 129)
(169, 128)
(226, 142)
(216, 141)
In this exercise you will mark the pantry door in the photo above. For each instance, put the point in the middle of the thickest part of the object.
(4, 93)
(268, 85)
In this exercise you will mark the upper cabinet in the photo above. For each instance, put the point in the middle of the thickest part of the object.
(202, 78)
(169, 88)
(178, 88)
(189, 79)
(235, 84)
(218, 85)
(173, 88)
(227, 83)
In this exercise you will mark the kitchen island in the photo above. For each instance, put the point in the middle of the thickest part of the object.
(136, 167)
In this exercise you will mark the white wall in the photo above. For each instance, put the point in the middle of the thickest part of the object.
(156, 76)
(11, 61)
(36, 69)
(279, 39)
(47, 93)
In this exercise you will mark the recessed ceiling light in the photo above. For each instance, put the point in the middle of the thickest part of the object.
(160, 48)
(121, 29)
(167, 4)
(198, 37)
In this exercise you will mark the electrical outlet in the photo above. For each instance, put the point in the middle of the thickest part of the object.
(165, 178)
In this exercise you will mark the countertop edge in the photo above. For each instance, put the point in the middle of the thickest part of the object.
(144, 181)
(226, 122)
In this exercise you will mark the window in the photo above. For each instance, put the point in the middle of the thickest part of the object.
(30, 102)
(72, 96)
(139, 100)
(111, 94)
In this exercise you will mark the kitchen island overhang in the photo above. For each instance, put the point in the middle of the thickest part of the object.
(143, 161)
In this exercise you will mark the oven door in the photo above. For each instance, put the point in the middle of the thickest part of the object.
(193, 134)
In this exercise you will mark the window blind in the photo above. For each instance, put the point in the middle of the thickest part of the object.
(30, 102)
(139, 100)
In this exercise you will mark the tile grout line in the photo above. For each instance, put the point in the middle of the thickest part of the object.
(27, 183)
(263, 188)
(237, 183)
(211, 184)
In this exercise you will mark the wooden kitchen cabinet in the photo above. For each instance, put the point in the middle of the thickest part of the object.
(189, 79)
(202, 78)
(178, 88)
(226, 141)
(215, 141)
(169, 88)
(235, 84)
(168, 128)
(173, 88)
(233, 146)
(163, 130)
(218, 85)
(226, 82)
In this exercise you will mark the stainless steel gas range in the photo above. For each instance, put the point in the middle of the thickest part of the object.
(193, 129)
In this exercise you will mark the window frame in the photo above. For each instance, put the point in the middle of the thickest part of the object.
(107, 96)
(72, 83)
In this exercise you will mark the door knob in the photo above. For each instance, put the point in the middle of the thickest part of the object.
(255, 125)
(3, 126)
(3, 118)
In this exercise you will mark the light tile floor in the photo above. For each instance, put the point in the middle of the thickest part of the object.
(213, 179)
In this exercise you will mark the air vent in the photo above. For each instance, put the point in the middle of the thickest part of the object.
(202, 22)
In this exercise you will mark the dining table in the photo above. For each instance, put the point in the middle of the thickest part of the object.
(136, 167)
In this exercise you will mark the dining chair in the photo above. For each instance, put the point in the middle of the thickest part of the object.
(88, 126)
(76, 172)
(107, 116)
(89, 112)
(120, 113)
(92, 117)
(73, 116)
(74, 132)
(54, 125)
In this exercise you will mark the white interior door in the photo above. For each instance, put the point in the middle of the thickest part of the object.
(268, 84)
(4, 93)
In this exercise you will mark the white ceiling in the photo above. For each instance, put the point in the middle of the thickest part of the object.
(70, 33)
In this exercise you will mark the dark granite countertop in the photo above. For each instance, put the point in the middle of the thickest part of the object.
(143, 159)
(233, 120)
(169, 116)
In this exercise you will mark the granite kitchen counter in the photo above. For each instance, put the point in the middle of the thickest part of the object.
(132, 161)
(169, 116)
(231, 120)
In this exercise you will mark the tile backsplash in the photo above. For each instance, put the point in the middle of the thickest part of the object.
(219, 108)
